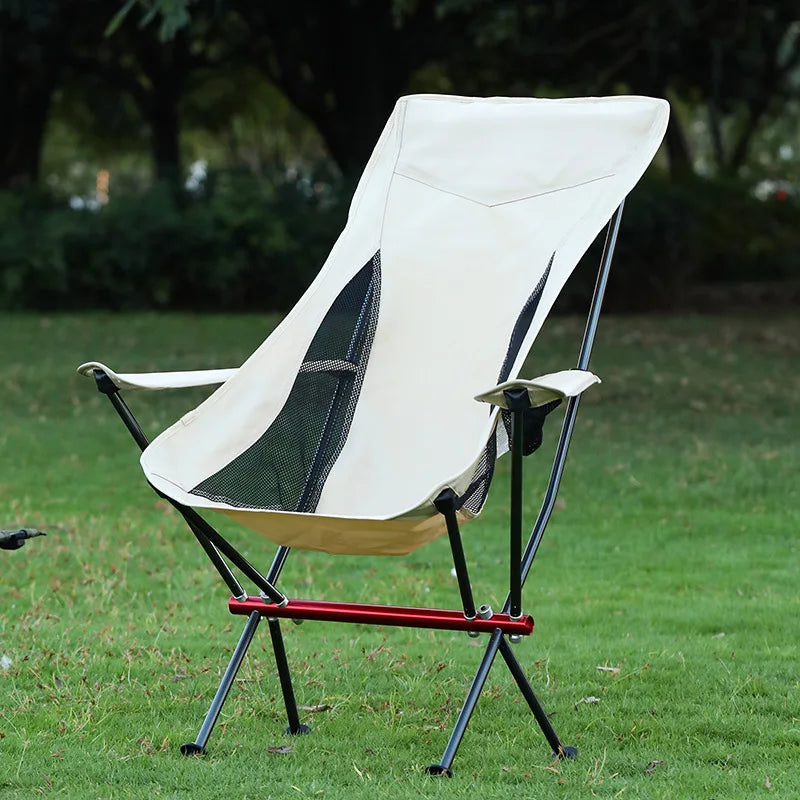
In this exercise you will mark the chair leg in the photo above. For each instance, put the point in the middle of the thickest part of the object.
(559, 751)
(295, 727)
(198, 746)
(497, 642)
(464, 716)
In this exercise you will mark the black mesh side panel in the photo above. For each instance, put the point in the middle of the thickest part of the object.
(475, 495)
(523, 323)
(521, 327)
(286, 469)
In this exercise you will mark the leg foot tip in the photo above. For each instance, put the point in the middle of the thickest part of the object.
(438, 769)
(192, 749)
(301, 730)
(566, 753)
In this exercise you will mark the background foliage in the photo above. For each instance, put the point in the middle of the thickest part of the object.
(230, 134)
(241, 243)
(254, 243)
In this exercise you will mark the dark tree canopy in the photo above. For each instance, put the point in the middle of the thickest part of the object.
(36, 39)
(284, 101)
(343, 63)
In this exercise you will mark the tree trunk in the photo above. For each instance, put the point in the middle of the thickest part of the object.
(31, 58)
(166, 65)
(165, 132)
(21, 137)
(351, 133)
(343, 64)
(680, 159)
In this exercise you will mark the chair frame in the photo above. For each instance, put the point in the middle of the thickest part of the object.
(510, 624)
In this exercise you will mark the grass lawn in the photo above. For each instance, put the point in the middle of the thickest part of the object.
(673, 560)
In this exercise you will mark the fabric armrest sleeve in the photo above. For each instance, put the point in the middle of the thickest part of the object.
(159, 380)
(544, 389)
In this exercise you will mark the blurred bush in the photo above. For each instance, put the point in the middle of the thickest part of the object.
(676, 234)
(246, 243)
(237, 242)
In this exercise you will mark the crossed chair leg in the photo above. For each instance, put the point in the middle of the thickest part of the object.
(198, 746)
(273, 604)
(498, 642)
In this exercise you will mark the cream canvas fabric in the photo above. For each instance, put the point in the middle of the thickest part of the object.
(544, 389)
(158, 380)
(468, 219)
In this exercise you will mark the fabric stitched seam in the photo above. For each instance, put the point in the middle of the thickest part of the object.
(402, 127)
(503, 202)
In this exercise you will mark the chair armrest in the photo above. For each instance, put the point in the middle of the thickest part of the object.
(158, 380)
(544, 389)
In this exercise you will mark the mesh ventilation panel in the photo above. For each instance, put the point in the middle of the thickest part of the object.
(286, 468)
(475, 495)
(523, 323)
(521, 327)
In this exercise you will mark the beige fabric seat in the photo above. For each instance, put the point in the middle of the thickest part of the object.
(341, 429)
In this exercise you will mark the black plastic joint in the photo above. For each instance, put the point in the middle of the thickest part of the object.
(104, 383)
(12, 542)
(445, 502)
(517, 399)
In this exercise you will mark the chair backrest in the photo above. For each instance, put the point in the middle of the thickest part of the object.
(470, 216)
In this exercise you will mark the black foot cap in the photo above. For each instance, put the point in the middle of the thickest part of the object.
(192, 749)
(567, 752)
(438, 769)
(301, 731)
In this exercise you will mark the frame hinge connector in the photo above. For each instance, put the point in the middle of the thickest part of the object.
(104, 383)
(445, 501)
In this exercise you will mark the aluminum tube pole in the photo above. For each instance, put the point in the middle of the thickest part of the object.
(198, 747)
(464, 716)
(277, 564)
(106, 386)
(445, 504)
(238, 560)
(285, 677)
(572, 406)
(559, 751)
(515, 553)
(600, 288)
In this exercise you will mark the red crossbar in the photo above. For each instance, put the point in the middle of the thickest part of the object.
(403, 616)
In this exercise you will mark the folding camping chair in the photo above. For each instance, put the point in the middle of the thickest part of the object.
(354, 427)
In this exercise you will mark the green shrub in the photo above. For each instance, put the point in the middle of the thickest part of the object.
(676, 234)
(241, 243)
(745, 239)
(247, 243)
